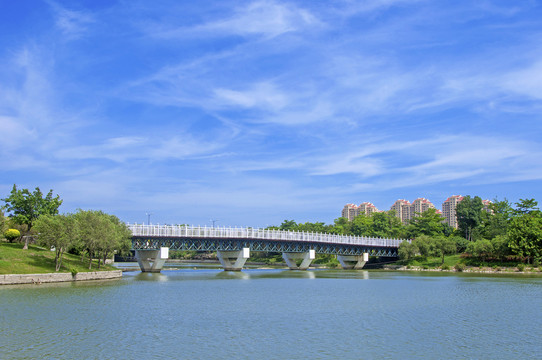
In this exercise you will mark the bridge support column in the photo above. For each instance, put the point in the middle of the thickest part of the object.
(306, 259)
(152, 260)
(233, 260)
(355, 262)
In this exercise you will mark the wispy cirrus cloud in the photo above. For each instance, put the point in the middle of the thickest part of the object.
(265, 18)
(72, 23)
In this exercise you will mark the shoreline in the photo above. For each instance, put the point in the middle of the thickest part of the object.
(20, 279)
(473, 270)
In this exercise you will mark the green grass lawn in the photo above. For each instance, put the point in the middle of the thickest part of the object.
(37, 260)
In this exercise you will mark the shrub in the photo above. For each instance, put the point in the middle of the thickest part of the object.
(445, 267)
(73, 271)
(521, 267)
(12, 234)
(459, 267)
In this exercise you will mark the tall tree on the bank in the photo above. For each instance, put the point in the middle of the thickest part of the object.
(495, 222)
(444, 246)
(469, 215)
(386, 224)
(428, 223)
(525, 231)
(101, 234)
(59, 232)
(26, 207)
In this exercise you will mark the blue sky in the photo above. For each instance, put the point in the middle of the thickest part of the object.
(254, 112)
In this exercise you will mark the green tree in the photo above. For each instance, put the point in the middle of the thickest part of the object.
(362, 225)
(525, 235)
(469, 215)
(26, 207)
(101, 234)
(407, 250)
(59, 232)
(428, 223)
(2, 222)
(444, 246)
(425, 245)
(495, 222)
(288, 225)
(118, 239)
(527, 206)
(482, 249)
(342, 226)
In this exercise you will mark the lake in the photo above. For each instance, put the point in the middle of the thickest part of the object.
(274, 314)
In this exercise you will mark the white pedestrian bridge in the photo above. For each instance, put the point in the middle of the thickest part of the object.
(234, 244)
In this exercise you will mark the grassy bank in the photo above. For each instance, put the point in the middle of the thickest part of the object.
(461, 263)
(37, 260)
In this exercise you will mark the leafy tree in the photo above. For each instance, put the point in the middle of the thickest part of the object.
(495, 222)
(118, 239)
(361, 225)
(482, 249)
(26, 207)
(424, 244)
(427, 223)
(527, 206)
(444, 246)
(408, 250)
(525, 235)
(2, 221)
(386, 224)
(100, 235)
(469, 215)
(461, 243)
(59, 232)
(341, 226)
(500, 246)
(288, 225)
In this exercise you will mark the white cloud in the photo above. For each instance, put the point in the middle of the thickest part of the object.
(263, 95)
(73, 24)
(527, 81)
(260, 18)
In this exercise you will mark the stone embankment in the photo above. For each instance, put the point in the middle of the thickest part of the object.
(15, 279)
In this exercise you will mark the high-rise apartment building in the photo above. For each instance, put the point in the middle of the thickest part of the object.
(448, 210)
(405, 211)
(402, 210)
(421, 205)
(350, 211)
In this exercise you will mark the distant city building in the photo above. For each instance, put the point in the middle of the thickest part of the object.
(421, 205)
(486, 206)
(405, 211)
(448, 210)
(402, 210)
(350, 211)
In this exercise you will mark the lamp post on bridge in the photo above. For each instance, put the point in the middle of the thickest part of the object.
(148, 218)
(213, 221)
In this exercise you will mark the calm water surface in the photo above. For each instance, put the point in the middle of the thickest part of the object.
(273, 314)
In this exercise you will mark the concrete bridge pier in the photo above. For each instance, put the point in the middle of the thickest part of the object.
(291, 259)
(233, 260)
(355, 262)
(152, 260)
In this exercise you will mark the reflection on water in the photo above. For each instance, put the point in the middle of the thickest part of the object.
(270, 314)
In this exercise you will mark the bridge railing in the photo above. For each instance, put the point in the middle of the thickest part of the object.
(184, 231)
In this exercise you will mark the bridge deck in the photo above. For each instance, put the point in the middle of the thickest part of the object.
(253, 234)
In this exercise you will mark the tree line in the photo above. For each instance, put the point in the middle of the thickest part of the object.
(89, 233)
(499, 231)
